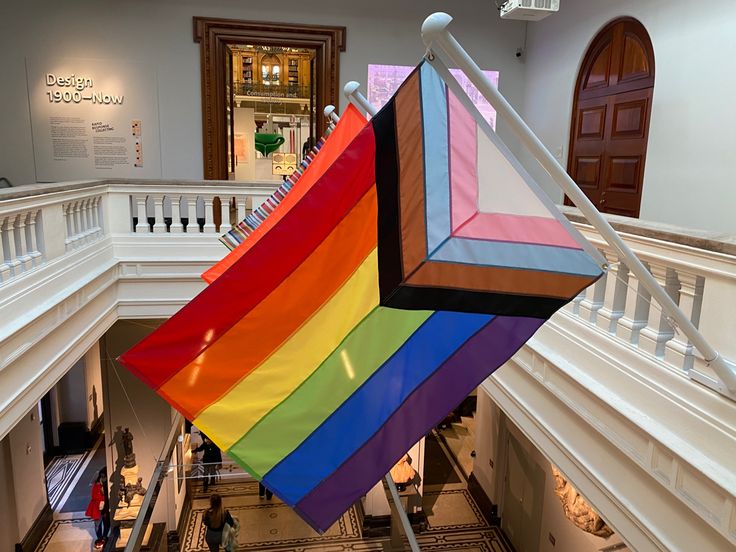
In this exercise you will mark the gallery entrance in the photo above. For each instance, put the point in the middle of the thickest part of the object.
(271, 110)
(291, 70)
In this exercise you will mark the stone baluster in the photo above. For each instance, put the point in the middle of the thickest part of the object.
(192, 225)
(658, 330)
(32, 238)
(91, 229)
(142, 226)
(12, 255)
(225, 225)
(614, 294)
(636, 311)
(593, 300)
(576, 303)
(67, 210)
(209, 215)
(86, 227)
(6, 270)
(679, 350)
(241, 205)
(176, 225)
(23, 254)
(96, 223)
(159, 225)
(77, 224)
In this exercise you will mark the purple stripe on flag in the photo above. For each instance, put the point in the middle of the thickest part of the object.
(451, 383)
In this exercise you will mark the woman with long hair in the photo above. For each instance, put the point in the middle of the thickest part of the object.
(98, 508)
(215, 519)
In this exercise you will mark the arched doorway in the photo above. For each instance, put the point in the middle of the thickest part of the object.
(610, 120)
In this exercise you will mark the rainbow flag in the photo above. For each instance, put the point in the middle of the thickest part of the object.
(417, 263)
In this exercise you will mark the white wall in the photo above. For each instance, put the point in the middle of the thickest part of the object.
(93, 384)
(26, 452)
(71, 395)
(161, 31)
(690, 165)
(566, 536)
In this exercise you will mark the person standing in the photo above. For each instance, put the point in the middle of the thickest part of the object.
(215, 519)
(263, 491)
(211, 460)
(99, 508)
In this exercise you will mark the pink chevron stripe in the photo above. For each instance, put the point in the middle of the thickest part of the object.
(516, 229)
(463, 162)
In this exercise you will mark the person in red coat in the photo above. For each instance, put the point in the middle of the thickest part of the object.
(99, 509)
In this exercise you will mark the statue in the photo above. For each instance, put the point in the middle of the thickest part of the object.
(127, 439)
(132, 490)
(127, 494)
(577, 509)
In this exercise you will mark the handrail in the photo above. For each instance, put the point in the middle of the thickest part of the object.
(434, 32)
(149, 500)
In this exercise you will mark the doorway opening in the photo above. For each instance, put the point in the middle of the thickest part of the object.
(610, 117)
(287, 71)
(272, 112)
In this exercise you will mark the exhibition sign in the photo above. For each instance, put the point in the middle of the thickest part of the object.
(93, 119)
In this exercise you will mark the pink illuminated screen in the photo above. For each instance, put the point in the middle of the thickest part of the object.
(384, 80)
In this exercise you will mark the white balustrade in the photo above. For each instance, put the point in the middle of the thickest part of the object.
(39, 228)
(621, 307)
(19, 243)
(82, 221)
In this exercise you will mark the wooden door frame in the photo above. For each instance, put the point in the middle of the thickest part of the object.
(212, 36)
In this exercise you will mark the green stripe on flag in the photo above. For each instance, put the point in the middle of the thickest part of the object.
(378, 336)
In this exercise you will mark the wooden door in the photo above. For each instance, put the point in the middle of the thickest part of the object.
(610, 122)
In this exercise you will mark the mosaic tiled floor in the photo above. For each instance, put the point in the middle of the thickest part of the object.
(68, 535)
(59, 474)
(454, 523)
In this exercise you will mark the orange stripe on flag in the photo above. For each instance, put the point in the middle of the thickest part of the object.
(256, 336)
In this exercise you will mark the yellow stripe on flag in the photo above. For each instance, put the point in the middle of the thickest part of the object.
(252, 398)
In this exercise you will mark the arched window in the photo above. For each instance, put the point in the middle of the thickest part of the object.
(270, 70)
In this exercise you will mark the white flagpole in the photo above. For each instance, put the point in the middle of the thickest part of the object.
(353, 94)
(330, 113)
(435, 33)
